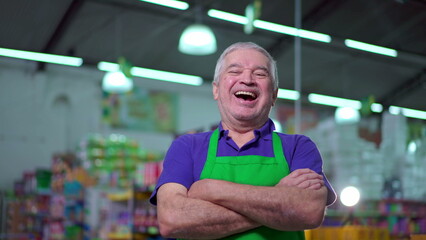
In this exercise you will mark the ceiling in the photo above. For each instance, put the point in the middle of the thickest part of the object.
(147, 35)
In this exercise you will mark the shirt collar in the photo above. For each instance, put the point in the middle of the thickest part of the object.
(264, 132)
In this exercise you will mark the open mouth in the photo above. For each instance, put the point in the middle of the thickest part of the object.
(248, 96)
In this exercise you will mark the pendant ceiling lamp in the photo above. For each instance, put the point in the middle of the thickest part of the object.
(119, 81)
(116, 82)
(197, 38)
(346, 115)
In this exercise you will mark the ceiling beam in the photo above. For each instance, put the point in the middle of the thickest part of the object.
(322, 9)
(414, 83)
(60, 30)
(399, 92)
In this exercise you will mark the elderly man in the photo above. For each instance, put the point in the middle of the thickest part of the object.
(242, 180)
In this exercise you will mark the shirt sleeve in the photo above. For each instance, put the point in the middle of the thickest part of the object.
(303, 153)
(177, 166)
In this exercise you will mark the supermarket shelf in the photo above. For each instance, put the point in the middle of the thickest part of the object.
(119, 236)
(339, 213)
(120, 196)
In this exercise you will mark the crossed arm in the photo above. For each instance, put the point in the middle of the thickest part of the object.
(215, 209)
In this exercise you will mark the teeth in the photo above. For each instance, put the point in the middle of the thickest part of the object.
(246, 93)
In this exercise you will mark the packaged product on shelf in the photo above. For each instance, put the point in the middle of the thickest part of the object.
(55, 230)
(122, 169)
(57, 206)
(114, 161)
(43, 179)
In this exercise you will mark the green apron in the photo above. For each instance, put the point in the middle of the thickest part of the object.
(253, 170)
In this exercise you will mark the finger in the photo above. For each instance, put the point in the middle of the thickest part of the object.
(300, 171)
(310, 183)
(305, 174)
(303, 185)
(299, 176)
(306, 177)
(315, 186)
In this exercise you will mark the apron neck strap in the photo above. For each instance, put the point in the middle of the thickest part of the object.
(278, 150)
(277, 145)
(214, 139)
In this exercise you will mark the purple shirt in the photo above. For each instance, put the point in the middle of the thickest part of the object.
(187, 155)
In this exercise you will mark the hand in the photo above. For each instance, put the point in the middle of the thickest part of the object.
(303, 178)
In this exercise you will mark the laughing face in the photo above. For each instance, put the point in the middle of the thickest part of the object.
(244, 92)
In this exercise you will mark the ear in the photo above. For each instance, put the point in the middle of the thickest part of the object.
(215, 90)
(274, 96)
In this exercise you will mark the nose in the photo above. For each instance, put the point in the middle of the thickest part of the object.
(247, 77)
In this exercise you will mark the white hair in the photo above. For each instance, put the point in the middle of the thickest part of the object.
(272, 66)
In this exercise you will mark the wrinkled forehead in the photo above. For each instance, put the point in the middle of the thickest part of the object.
(246, 58)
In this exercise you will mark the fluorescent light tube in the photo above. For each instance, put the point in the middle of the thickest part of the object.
(321, 37)
(376, 107)
(274, 27)
(169, 3)
(394, 110)
(155, 74)
(333, 101)
(413, 113)
(167, 76)
(371, 48)
(230, 17)
(408, 112)
(41, 57)
(288, 94)
(108, 67)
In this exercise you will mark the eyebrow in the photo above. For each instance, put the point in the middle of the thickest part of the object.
(240, 66)
(234, 65)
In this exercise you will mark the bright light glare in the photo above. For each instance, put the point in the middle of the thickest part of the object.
(288, 94)
(42, 57)
(169, 3)
(274, 27)
(376, 107)
(333, 101)
(155, 74)
(412, 147)
(350, 196)
(371, 48)
(346, 115)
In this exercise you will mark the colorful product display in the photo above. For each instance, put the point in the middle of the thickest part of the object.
(118, 162)
(123, 171)
(404, 217)
(145, 214)
(102, 193)
(400, 218)
(347, 233)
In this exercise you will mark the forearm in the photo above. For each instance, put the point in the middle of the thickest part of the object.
(198, 219)
(280, 207)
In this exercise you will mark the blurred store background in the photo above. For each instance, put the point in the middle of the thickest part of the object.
(94, 91)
